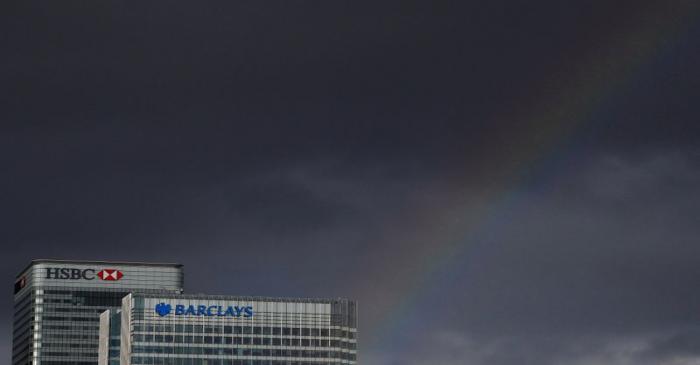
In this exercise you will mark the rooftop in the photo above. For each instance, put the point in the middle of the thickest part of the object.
(239, 298)
(130, 263)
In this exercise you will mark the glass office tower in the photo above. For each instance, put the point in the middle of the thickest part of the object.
(58, 305)
(228, 330)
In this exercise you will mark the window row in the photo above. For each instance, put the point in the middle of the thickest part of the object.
(245, 330)
(77, 309)
(69, 328)
(68, 354)
(66, 345)
(309, 354)
(178, 361)
(72, 319)
(264, 341)
(67, 336)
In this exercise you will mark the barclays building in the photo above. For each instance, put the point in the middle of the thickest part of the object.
(171, 329)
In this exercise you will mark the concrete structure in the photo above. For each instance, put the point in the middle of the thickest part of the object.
(58, 304)
(171, 329)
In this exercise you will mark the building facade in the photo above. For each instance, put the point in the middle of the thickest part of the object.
(57, 305)
(157, 329)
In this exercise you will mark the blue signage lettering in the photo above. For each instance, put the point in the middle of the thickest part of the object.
(238, 311)
(209, 312)
(164, 309)
(179, 310)
(191, 311)
(230, 312)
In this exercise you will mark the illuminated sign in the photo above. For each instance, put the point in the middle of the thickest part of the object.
(164, 309)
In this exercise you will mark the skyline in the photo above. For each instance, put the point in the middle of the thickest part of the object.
(497, 183)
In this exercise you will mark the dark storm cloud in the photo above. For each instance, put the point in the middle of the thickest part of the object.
(323, 149)
(680, 344)
(580, 275)
(620, 241)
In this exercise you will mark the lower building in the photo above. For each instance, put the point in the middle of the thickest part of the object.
(172, 329)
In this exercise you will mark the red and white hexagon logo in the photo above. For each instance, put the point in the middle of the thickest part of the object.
(110, 274)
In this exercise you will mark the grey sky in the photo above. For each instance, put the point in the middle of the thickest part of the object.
(496, 183)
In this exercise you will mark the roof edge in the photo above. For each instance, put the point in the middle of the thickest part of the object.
(170, 295)
(99, 262)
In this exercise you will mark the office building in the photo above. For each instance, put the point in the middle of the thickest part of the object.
(171, 329)
(57, 305)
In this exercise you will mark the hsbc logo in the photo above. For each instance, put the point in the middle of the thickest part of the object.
(110, 275)
(66, 273)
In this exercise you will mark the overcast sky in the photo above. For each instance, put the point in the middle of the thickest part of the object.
(496, 182)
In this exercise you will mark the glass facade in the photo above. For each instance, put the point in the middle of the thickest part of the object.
(57, 305)
(223, 330)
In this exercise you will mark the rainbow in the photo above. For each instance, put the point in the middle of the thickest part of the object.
(549, 122)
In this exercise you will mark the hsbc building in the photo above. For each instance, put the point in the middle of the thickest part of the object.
(58, 305)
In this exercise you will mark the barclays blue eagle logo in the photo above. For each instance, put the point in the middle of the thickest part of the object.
(163, 309)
